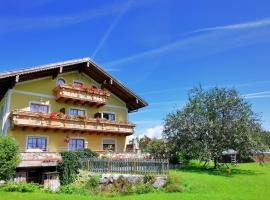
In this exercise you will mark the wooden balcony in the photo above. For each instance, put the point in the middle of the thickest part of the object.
(87, 95)
(36, 120)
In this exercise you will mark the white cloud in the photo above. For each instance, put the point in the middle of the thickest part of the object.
(110, 29)
(155, 132)
(247, 25)
(214, 39)
(264, 94)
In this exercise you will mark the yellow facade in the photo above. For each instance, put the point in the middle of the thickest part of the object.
(41, 91)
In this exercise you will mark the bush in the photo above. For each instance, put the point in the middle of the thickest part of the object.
(93, 182)
(141, 188)
(20, 187)
(174, 184)
(71, 189)
(9, 157)
(72, 162)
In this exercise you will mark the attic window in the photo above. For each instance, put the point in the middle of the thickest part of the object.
(60, 81)
(78, 84)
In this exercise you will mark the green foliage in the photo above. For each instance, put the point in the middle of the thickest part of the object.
(93, 182)
(143, 143)
(211, 122)
(157, 148)
(72, 163)
(72, 189)
(174, 184)
(9, 157)
(20, 187)
(141, 188)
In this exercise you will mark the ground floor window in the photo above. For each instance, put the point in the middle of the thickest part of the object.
(109, 145)
(76, 144)
(37, 142)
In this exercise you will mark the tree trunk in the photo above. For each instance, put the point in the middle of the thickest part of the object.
(216, 164)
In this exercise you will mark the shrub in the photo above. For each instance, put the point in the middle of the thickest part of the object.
(72, 162)
(93, 182)
(20, 187)
(71, 189)
(141, 188)
(9, 157)
(174, 184)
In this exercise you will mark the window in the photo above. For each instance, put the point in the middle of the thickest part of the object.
(34, 142)
(109, 145)
(38, 107)
(77, 84)
(60, 81)
(109, 116)
(76, 144)
(76, 112)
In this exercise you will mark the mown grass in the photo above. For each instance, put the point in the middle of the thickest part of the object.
(247, 181)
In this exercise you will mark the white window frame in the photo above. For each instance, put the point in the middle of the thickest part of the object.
(77, 108)
(78, 138)
(46, 136)
(115, 142)
(60, 78)
(41, 103)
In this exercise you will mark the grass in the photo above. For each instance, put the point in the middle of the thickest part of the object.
(247, 181)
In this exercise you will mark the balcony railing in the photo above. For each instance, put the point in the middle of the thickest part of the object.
(84, 95)
(26, 119)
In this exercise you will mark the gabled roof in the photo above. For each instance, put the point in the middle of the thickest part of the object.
(85, 65)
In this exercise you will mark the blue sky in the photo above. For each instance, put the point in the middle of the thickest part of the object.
(159, 48)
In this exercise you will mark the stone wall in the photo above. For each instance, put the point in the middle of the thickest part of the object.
(107, 181)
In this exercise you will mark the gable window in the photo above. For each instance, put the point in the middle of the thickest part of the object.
(109, 145)
(37, 142)
(78, 84)
(38, 107)
(60, 81)
(76, 144)
(76, 112)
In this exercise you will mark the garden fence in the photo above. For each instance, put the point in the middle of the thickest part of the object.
(128, 166)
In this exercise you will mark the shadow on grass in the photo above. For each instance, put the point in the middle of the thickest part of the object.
(223, 171)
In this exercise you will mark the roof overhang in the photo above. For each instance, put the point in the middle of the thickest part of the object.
(85, 65)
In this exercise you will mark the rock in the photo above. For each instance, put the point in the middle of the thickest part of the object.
(160, 181)
(133, 179)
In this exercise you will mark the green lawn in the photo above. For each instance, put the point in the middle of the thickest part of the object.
(248, 181)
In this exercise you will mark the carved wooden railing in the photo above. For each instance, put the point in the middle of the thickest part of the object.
(26, 119)
(86, 95)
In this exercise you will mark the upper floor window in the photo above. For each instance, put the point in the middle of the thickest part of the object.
(38, 107)
(37, 142)
(76, 144)
(77, 112)
(78, 84)
(109, 116)
(106, 115)
(60, 81)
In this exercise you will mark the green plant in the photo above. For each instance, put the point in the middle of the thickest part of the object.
(93, 182)
(72, 189)
(174, 184)
(149, 179)
(141, 188)
(9, 157)
(20, 187)
(72, 163)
